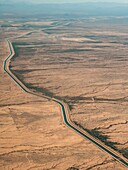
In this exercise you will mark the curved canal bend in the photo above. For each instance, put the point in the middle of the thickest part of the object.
(65, 112)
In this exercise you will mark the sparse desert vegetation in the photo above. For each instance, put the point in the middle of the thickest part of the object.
(82, 62)
(90, 76)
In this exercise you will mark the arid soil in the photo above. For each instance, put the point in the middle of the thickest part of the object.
(85, 67)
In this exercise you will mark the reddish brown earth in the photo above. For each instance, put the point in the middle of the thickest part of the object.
(84, 74)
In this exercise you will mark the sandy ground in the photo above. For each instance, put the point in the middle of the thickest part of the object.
(33, 135)
(91, 76)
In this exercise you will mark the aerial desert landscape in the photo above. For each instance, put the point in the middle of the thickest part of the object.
(80, 62)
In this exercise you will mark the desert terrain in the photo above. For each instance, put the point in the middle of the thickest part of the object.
(83, 63)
